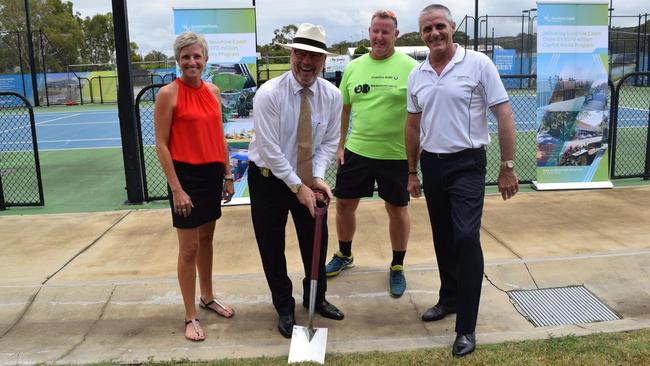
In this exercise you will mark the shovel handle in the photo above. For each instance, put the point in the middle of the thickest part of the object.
(321, 209)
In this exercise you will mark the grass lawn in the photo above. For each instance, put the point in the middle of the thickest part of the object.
(627, 348)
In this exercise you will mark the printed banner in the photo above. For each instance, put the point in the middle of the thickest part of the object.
(572, 110)
(231, 37)
(504, 60)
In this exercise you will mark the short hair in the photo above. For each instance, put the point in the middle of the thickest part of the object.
(188, 39)
(384, 14)
(435, 7)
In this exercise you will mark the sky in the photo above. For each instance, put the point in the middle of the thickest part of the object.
(151, 22)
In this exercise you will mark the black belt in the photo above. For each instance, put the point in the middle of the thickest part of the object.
(457, 154)
(266, 172)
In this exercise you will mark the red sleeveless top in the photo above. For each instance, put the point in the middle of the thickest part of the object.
(196, 135)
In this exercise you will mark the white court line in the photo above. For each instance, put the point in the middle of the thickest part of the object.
(79, 140)
(39, 123)
(57, 141)
(82, 123)
(634, 108)
(82, 148)
(16, 128)
(60, 113)
(56, 119)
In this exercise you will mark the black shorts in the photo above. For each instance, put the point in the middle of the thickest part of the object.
(204, 184)
(356, 178)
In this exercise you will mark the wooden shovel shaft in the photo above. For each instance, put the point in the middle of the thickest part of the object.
(318, 232)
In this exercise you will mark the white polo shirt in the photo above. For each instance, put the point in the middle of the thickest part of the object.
(454, 104)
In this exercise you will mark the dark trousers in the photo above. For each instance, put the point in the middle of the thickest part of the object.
(454, 188)
(271, 202)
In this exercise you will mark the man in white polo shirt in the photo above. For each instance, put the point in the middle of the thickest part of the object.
(446, 130)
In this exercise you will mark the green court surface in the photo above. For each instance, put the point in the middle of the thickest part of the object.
(269, 71)
(81, 181)
(634, 96)
(76, 108)
(92, 180)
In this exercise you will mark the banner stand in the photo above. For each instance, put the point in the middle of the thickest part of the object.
(572, 95)
(565, 186)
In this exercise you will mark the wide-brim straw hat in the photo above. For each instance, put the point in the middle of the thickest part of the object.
(309, 37)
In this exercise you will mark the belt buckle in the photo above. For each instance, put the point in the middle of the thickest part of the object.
(265, 172)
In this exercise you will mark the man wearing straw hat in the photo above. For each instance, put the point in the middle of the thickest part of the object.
(297, 126)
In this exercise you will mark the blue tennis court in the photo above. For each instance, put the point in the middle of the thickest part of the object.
(101, 129)
(74, 130)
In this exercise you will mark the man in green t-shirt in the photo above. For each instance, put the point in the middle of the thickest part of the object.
(374, 94)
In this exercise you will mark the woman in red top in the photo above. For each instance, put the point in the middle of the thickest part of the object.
(194, 156)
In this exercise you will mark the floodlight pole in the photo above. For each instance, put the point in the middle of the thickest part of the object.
(611, 8)
(475, 25)
(126, 107)
(20, 62)
(30, 54)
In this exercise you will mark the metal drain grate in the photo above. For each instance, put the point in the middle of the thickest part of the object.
(561, 306)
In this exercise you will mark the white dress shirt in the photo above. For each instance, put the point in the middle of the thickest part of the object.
(276, 108)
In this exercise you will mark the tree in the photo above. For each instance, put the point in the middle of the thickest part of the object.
(461, 37)
(409, 39)
(283, 35)
(135, 52)
(274, 54)
(62, 32)
(360, 50)
(155, 56)
(341, 47)
(98, 39)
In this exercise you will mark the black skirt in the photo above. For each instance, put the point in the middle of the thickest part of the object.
(204, 184)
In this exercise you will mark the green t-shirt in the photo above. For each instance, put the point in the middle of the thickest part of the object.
(376, 90)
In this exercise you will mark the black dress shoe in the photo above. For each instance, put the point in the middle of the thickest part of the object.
(325, 309)
(464, 344)
(437, 312)
(285, 325)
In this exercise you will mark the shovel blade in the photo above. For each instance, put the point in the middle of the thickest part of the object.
(305, 349)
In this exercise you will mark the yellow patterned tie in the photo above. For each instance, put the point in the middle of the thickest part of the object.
(305, 151)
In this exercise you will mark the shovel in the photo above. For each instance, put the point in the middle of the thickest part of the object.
(309, 343)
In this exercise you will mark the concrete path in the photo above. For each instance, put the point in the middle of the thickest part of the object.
(82, 288)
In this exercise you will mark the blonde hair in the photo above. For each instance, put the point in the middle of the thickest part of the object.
(188, 39)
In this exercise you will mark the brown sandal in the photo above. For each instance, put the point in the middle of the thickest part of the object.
(196, 330)
(206, 306)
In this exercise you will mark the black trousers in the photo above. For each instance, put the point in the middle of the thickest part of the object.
(271, 202)
(454, 187)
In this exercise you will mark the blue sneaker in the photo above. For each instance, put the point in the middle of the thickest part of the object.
(396, 281)
(338, 263)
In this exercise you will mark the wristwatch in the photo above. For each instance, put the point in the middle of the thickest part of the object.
(295, 187)
(510, 164)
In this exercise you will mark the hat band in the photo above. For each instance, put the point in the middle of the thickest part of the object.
(310, 42)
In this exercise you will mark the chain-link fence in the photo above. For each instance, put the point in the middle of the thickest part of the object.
(20, 173)
(630, 138)
(267, 70)
(523, 100)
(155, 183)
